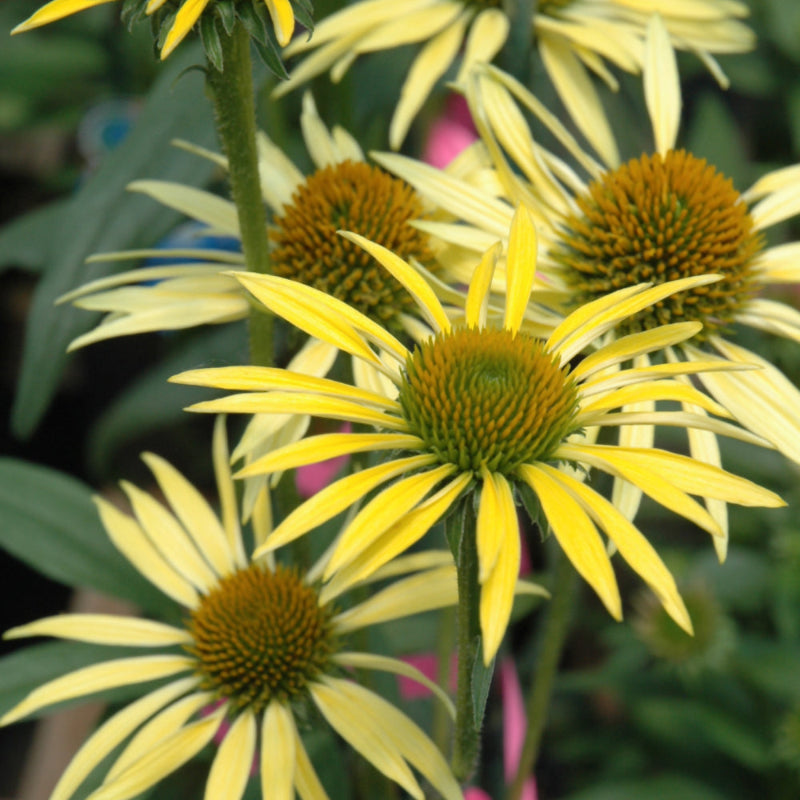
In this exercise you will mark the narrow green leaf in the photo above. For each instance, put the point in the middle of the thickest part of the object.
(209, 37)
(102, 216)
(25, 241)
(481, 683)
(47, 520)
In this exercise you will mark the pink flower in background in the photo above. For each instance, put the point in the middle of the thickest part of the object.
(450, 133)
(310, 479)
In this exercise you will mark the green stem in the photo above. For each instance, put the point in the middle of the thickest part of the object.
(440, 726)
(467, 733)
(553, 638)
(234, 105)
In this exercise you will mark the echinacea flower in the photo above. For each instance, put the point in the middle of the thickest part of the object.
(370, 25)
(344, 191)
(664, 215)
(259, 650)
(187, 15)
(481, 407)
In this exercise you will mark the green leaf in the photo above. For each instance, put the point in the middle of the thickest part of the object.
(25, 242)
(226, 11)
(47, 520)
(209, 37)
(661, 787)
(480, 683)
(102, 216)
(304, 13)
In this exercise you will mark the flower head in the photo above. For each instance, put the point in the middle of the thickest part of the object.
(179, 22)
(344, 191)
(660, 216)
(483, 406)
(259, 646)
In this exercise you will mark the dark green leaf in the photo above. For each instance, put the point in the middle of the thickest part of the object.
(102, 216)
(47, 520)
(304, 14)
(481, 683)
(25, 241)
(209, 37)
(227, 13)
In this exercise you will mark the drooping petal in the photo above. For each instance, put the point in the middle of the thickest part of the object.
(282, 15)
(326, 504)
(163, 760)
(576, 534)
(630, 542)
(114, 731)
(382, 511)
(428, 66)
(386, 664)
(230, 769)
(278, 735)
(359, 720)
(498, 587)
(55, 10)
(416, 285)
(165, 724)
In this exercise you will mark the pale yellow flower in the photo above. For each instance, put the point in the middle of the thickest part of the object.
(662, 216)
(485, 406)
(259, 644)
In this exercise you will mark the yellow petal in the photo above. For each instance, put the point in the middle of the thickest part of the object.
(520, 267)
(305, 778)
(479, 288)
(413, 282)
(55, 10)
(662, 88)
(382, 511)
(497, 588)
(632, 545)
(169, 537)
(328, 502)
(98, 678)
(282, 20)
(161, 761)
(429, 65)
(114, 731)
(192, 509)
(128, 537)
(187, 15)
(230, 770)
(164, 725)
(635, 344)
(386, 664)
(356, 715)
(104, 629)
(278, 736)
(424, 591)
(576, 534)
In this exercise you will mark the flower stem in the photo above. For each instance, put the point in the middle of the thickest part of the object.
(234, 105)
(553, 638)
(461, 529)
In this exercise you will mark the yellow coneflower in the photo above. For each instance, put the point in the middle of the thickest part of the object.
(259, 644)
(662, 216)
(482, 407)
